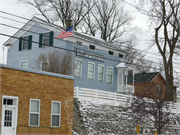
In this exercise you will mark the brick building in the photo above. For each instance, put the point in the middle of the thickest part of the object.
(35, 102)
(148, 84)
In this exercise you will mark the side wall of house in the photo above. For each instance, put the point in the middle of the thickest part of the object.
(150, 88)
(26, 85)
(15, 56)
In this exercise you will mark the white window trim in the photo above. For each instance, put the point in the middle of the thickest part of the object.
(24, 61)
(107, 74)
(88, 70)
(81, 67)
(91, 49)
(35, 112)
(56, 114)
(98, 72)
(111, 51)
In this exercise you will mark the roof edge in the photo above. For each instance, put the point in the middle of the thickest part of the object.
(38, 72)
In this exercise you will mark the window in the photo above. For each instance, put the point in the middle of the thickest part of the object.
(44, 66)
(46, 39)
(91, 71)
(78, 66)
(79, 43)
(25, 43)
(34, 112)
(110, 52)
(109, 75)
(92, 47)
(7, 101)
(158, 89)
(55, 113)
(100, 73)
(8, 118)
(24, 64)
(120, 55)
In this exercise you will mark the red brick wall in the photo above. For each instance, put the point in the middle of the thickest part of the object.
(26, 85)
(149, 89)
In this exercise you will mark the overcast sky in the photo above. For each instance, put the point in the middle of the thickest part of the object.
(14, 7)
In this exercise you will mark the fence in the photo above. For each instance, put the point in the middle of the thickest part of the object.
(112, 98)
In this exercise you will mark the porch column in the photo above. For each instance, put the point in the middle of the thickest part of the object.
(133, 81)
(126, 78)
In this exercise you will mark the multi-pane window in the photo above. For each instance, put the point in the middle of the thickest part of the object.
(109, 75)
(34, 112)
(46, 39)
(77, 71)
(56, 114)
(25, 43)
(8, 118)
(91, 71)
(23, 64)
(120, 55)
(7, 101)
(110, 52)
(78, 43)
(92, 47)
(100, 73)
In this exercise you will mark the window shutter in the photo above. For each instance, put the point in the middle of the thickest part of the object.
(30, 42)
(51, 37)
(20, 43)
(40, 40)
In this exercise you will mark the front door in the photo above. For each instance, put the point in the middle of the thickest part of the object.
(8, 121)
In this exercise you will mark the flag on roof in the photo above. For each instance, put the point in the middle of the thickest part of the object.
(66, 33)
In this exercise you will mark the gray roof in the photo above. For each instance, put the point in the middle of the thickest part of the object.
(76, 35)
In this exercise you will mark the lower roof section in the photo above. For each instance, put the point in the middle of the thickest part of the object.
(38, 72)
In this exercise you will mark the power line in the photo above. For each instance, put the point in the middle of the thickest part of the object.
(75, 51)
(56, 26)
(72, 42)
(62, 40)
(66, 41)
(61, 29)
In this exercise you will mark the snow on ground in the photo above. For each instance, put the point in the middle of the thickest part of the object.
(106, 119)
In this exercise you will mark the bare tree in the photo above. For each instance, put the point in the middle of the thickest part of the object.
(111, 20)
(55, 61)
(164, 15)
(157, 109)
(61, 10)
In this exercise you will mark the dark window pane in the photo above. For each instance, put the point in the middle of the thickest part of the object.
(111, 53)
(4, 101)
(5, 123)
(34, 119)
(92, 47)
(55, 120)
(7, 101)
(120, 55)
(10, 102)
